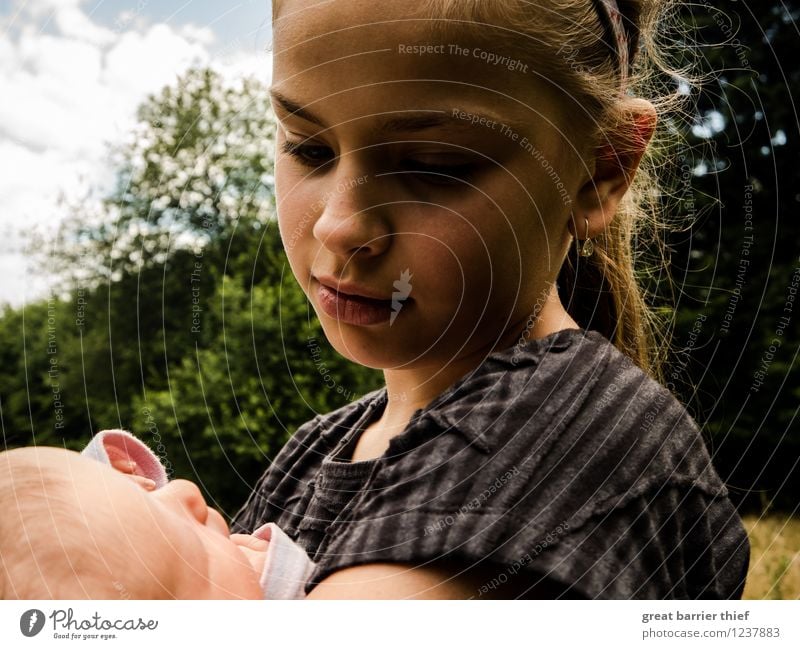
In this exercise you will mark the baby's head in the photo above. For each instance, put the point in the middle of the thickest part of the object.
(73, 528)
(442, 155)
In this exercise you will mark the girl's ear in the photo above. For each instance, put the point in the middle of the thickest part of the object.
(615, 164)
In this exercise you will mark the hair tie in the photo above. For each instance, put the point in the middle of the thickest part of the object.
(612, 18)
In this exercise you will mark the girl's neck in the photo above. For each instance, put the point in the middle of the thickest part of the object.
(411, 389)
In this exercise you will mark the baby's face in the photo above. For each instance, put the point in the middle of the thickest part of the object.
(108, 537)
(214, 566)
(482, 237)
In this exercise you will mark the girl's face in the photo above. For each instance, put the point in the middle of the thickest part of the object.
(416, 170)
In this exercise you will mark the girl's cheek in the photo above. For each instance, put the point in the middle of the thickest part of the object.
(295, 217)
(296, 227)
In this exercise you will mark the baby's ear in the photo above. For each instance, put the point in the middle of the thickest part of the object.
(615, 163)
(127, 454)
(120, 456)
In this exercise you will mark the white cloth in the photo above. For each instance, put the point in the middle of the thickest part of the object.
(287, 567)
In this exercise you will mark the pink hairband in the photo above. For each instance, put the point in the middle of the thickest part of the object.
(610, 12)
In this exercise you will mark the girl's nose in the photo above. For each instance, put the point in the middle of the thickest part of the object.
(354, 217)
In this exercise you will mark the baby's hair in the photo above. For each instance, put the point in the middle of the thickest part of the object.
(575, 52)
(34, 526)
(47, 548)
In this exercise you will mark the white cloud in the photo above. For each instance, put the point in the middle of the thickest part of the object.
(202, 35)
(68, 92)
(145, 62)
(72, 22)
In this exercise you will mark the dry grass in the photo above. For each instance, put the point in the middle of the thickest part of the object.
(775, 557)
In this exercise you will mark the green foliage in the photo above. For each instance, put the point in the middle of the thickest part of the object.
(738, 263)
(231, 404)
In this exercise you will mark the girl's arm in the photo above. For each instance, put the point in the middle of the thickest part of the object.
(442, 581)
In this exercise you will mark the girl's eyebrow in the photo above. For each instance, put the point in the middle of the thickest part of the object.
(454, 119)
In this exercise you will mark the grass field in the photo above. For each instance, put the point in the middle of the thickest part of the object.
(775, 557)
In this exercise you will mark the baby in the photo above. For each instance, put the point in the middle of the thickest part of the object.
(73, 528)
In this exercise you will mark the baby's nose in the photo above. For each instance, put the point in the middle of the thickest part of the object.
(188, 495)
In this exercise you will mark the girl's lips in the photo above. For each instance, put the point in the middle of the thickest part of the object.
(352, 309)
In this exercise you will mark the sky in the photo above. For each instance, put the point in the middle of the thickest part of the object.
(72, 73)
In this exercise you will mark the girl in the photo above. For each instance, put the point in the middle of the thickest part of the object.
(436, 161)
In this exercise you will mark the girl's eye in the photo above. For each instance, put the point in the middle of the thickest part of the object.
(317, 156)
(441, 174)
(309, 155)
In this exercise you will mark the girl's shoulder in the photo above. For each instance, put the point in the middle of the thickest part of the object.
(573, 399)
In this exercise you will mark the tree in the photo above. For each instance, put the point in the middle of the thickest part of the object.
(740, 261)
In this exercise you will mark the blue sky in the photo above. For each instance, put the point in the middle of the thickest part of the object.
(247, 23)
(72, 73)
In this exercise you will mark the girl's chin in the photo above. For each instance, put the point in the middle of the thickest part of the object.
(368, 349)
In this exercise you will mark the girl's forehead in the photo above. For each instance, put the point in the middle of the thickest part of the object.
(352, 31)
(339, 58)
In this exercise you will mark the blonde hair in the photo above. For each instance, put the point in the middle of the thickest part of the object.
(606, 291)
(36, 539)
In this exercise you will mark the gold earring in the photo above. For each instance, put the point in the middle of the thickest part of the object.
(587, 248)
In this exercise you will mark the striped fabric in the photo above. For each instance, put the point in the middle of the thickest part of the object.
(554, 463)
